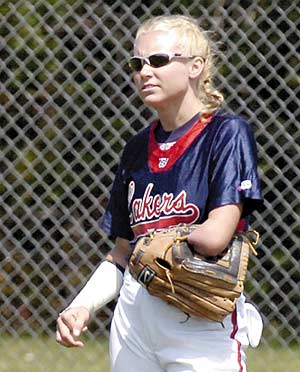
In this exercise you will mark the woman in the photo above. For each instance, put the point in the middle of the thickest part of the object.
(195, 164)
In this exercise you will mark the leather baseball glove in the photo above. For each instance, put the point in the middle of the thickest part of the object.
(207, 287)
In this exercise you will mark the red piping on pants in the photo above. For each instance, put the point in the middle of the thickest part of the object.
(233, 333)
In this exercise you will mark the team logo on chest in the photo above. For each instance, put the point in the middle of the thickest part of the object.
(131, 190)
(162, 162)
(159, 209)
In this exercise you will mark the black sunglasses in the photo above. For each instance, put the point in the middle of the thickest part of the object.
(155, 60)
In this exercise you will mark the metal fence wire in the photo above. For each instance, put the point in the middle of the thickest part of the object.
(68, 106)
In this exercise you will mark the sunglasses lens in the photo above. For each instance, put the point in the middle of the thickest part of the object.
(159, 60)
(155, 60)
(135, 64)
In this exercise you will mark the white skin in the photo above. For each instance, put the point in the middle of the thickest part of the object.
(173, 98)
(171, 91)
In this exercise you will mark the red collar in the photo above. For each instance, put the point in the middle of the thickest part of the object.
(163, 160)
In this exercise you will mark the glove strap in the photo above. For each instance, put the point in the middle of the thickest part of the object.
(253, 238)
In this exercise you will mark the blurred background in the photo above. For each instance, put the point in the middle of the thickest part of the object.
(68, 106)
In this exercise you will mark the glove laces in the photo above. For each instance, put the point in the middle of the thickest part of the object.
(176, 240)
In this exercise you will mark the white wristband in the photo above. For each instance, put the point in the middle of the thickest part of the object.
(102, 287)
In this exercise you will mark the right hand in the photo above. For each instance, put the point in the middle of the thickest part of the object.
(70, 325)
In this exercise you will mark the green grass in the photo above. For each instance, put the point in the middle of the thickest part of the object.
(266, 359)
(45, 355)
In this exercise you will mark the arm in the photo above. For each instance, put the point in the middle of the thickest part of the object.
(213, 236)
(120, 253)
(103, 286)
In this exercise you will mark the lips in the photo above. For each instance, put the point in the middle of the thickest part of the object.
(148, 87)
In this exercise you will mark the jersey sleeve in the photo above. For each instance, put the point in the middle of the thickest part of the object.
(115, 220)
(233, 173)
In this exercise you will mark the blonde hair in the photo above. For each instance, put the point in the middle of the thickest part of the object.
(193, 41)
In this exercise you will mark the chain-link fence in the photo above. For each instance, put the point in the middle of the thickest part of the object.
(68, 105)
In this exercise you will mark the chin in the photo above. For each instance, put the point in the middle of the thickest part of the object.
(154, 102)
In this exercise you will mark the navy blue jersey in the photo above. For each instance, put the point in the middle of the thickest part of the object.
(213, 164)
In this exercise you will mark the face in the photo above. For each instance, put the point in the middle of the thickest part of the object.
(161, 86)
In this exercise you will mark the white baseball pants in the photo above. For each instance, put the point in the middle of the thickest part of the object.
(147, 335)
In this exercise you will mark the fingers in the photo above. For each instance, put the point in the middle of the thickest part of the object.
(70, 326)
(65, 334)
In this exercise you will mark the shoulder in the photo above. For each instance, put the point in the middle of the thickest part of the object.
(139, 138)
(227, 127)
(136, 149)
(224, 121)
(138, 141)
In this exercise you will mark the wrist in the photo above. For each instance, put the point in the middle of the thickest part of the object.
(77, 308)
(102, 287)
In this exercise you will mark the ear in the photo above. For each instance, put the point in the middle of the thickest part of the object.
(196, 67)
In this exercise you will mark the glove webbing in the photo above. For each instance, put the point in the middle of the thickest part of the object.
(176, 240)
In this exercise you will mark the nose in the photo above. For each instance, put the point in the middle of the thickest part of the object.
(146, 69)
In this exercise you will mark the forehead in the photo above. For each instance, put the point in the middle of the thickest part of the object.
(156, 41)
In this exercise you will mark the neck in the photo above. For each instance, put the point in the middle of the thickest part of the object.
(173, 116)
